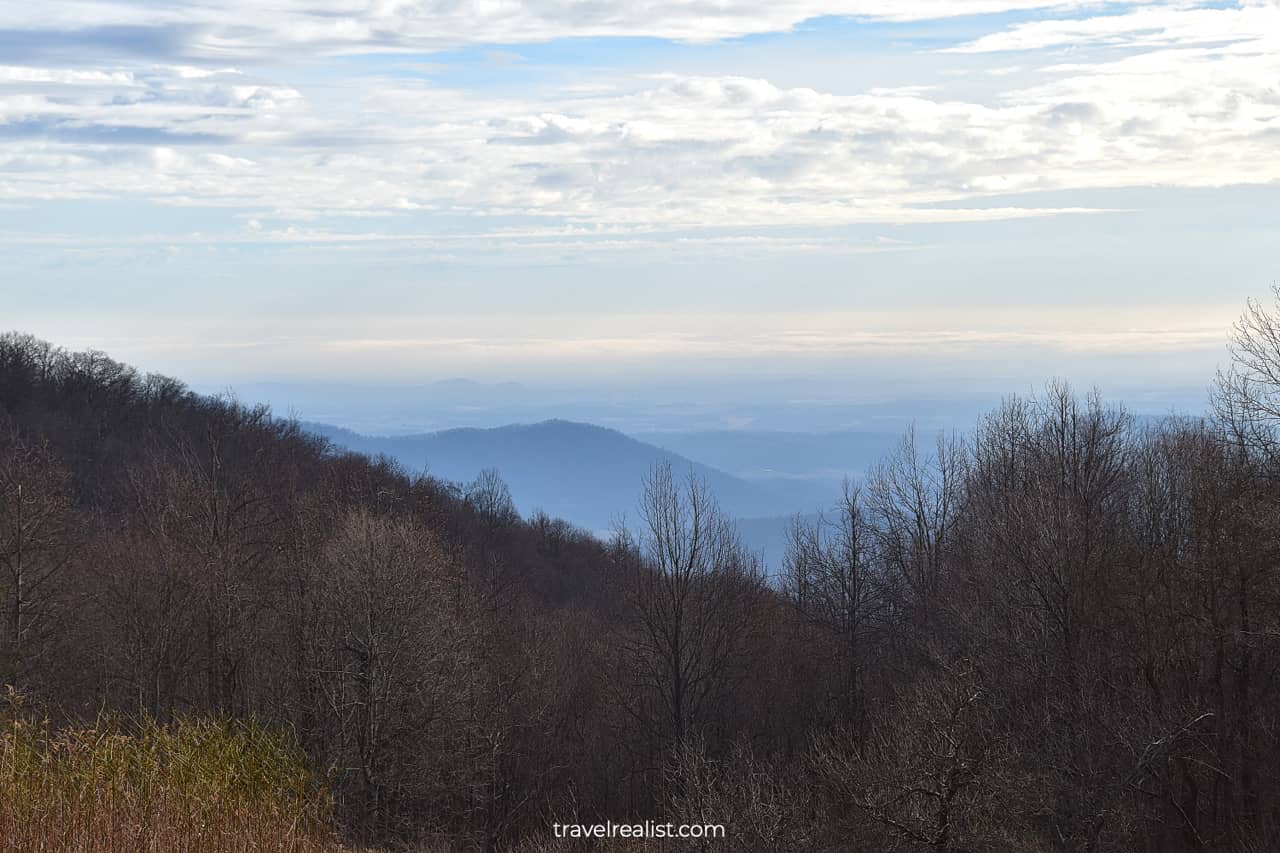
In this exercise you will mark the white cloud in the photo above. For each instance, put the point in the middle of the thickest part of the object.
(11, 74)
(1147, 26)
(260, 28)
(1191, 101)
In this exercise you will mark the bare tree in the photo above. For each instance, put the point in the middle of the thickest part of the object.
(830, 576)
(233, 520)
(766, 804)
(1246, 395)
(491, 497)
(923, 775)
(914, 499)
(147, 593)
(35, 543)
(382, 645)
(1046, 541)
(691, 581)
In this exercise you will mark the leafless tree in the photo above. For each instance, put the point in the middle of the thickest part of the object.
(36, 536)
(379, 664)
(913, 499)
(765, 805)
(690, 586)
(1046, 541)
(830, 576)
(923, 774)
(1246, 395)
(491, 497)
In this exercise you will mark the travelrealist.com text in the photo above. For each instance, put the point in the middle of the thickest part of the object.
(648, 829)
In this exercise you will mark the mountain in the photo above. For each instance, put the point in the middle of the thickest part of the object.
(586, 474)
(776, 455)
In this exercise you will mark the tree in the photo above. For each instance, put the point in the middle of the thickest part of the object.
(491, 497)
(1246, 396)
(923, 774)
(382, 638)
(831, 578)
(36, 523)
(1046, 541)
(913, 500)
(690, 586)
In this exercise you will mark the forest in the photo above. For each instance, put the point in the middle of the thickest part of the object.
(1059, 631)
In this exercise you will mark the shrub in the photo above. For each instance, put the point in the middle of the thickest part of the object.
(191, 785)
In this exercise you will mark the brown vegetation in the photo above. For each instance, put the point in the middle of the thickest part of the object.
(190, 785)
(1060, 632)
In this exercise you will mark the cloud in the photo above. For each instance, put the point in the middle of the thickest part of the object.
(1146, 26)
(27, 35)
(258, 29)
(1191, 101)
(498, 247)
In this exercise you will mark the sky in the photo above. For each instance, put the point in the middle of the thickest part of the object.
(882, 196)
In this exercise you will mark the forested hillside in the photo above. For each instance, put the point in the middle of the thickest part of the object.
(1061, 633)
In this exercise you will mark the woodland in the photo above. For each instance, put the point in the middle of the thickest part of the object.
(1058, 631)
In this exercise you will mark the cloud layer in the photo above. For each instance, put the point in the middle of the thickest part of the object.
(255, 29)
(1181, 96)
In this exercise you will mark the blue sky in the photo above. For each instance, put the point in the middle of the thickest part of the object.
(891, 193)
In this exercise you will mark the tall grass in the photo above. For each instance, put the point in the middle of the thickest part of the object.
(192, 785)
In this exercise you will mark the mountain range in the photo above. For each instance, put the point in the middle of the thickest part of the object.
(592, 476)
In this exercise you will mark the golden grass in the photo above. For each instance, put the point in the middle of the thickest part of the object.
(191, 786)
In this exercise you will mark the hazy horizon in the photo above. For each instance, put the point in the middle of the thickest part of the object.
(786, 407)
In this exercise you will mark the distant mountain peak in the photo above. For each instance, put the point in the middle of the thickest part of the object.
(583, 472)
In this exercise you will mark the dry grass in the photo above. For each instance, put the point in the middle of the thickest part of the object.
(193, 785)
